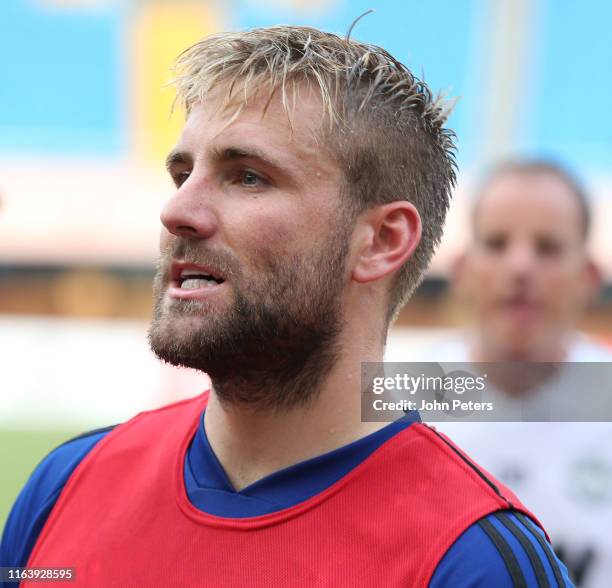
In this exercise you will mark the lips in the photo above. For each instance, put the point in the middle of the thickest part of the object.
(181, 271)
(521, 308)
(194, 281)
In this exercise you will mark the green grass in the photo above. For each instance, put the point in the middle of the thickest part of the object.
(20, 453)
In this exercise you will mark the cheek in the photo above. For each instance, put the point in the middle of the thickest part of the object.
(561, 287)
(275, 235)
(279, 235)
(481, 279)
(260, 244)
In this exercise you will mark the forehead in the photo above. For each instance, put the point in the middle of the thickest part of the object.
(538, 201)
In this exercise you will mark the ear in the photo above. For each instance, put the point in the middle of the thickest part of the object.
(388, 236)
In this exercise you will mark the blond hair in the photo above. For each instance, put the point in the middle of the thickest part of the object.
(385, 128)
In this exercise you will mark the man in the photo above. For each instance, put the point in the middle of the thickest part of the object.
(312, 180)
(527, 275)
(526, 278)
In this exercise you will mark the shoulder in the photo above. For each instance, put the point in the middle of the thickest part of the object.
(502, 550)
(61, 461)
(55, 469)
(38, 496)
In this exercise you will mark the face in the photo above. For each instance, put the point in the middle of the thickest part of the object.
(525, 274)
(253, 250)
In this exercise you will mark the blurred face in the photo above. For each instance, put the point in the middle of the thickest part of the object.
(252, 249)
(525, 274)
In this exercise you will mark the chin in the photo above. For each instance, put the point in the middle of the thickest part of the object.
(518, 342)
(522, 349)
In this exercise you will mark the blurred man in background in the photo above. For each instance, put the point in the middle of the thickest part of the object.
(526, 278)
(527, 275)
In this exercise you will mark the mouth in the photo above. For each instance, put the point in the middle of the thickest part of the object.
(193, 281)
(521, 307)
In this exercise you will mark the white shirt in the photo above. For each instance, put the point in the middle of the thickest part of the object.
(562, 471)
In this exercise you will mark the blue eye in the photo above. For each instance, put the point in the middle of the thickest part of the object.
(250, 179)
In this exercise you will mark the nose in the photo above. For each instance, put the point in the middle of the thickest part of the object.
(521, 259)
(188, 212)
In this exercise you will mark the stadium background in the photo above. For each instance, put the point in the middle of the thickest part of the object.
(85, 126)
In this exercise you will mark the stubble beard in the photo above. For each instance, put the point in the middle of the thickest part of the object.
(273, 346)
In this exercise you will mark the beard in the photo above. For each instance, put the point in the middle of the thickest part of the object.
(278, 339)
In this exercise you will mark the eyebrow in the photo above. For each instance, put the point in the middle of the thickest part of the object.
(247, 152)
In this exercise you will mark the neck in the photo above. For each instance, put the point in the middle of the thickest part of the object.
(252, 441)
